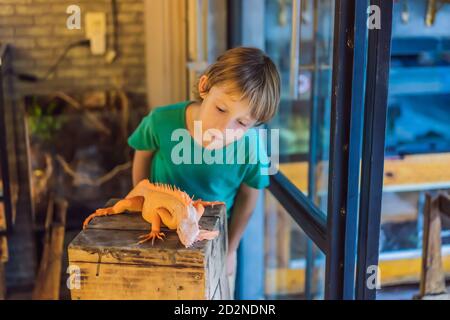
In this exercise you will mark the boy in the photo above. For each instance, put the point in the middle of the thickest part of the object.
(240, 90)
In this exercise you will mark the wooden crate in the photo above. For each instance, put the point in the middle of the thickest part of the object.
(108, 263)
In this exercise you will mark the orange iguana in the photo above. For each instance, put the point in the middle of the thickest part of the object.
(163, 203)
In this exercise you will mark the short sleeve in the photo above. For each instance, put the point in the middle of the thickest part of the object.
(256, 177)
(145, 137)
(257, 173)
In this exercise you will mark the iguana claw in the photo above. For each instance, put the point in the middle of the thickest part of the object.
(151, 236)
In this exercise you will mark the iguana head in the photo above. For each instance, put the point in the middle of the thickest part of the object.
(188, 229)
(188, 214)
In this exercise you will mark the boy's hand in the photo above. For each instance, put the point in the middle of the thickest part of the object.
(231, 263)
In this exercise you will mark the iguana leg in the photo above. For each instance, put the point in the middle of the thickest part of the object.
(167, 218)
(133, 204)
(155, 220)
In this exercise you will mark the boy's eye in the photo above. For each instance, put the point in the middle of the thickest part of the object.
(220, 109)
(242, 123)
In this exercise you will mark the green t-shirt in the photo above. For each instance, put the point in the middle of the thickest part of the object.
(178, 160)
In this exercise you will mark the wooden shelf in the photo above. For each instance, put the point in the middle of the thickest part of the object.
(417, 173)
(410, 173)
(2, 217)
(396, 268)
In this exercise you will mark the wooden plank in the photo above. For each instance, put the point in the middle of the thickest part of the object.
(49, 275)
(419, 171)
(2, 216)
(395, 269)
(410, 173)
(4, 255)
(8, 152)
(444, 204)
(2, 282)
(132, 281)
(432, 280)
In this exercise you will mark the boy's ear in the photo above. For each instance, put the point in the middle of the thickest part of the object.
(202, 86)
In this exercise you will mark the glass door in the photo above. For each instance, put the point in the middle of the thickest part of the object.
(303, 55)
(312, 208)
(299, 38)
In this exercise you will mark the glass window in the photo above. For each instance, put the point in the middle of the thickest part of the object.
(417, 155)
(288, 252)
(306, 89)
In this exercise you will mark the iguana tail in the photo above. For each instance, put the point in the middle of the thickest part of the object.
(133, 204)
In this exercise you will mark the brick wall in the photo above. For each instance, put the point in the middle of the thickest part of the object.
(37, 31)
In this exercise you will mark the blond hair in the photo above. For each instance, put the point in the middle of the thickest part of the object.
(250, 73)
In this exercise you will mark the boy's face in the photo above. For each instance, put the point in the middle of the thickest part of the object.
(224, 117)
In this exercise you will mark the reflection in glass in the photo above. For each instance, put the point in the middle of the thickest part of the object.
(285, 261)
(311, 101)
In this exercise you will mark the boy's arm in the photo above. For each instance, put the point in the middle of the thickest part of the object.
(244, 205)
(141, 165)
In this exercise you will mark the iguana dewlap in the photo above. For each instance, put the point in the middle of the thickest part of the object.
(163, 203)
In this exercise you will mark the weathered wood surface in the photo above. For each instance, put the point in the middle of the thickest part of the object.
(8, 150)
(432, 280)
(3, 249)
(2, 216)
(3, 259)
(113, 265)
(2, 282)
(48, 279)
